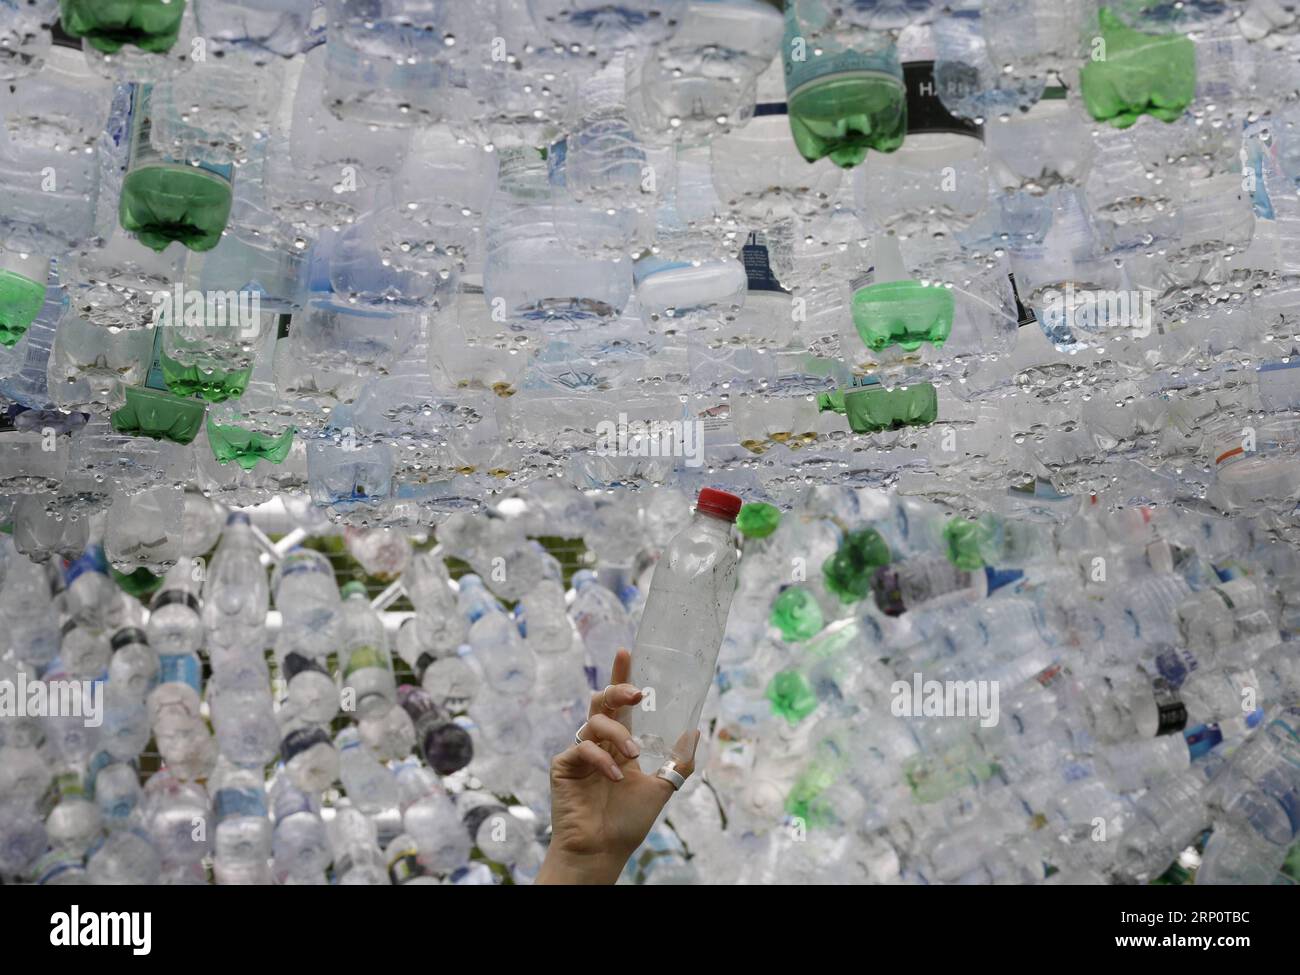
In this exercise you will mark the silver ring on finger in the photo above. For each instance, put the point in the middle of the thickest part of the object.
(577, 737)
(668, 772)
(604, 701)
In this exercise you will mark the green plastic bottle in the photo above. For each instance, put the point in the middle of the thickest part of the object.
(108, 25)
(214, 385)
(164, 200)
(1130, 74)
(935, 776)
(848, 573)
(139, 583)
(796, 614)
(813, 797)
(841, 100)
(890, 308)
(871, 408)
(247, 447)
(153, 411)
(22, 293)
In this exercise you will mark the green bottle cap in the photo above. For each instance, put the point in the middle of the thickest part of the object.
(796, 614)
(849, 571)
(353, 588)
(758, 519)
(963, 539)
(791, 695)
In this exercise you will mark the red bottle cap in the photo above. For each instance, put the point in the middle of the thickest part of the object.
(720, 503)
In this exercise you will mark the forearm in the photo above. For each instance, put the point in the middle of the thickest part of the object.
(568, 868)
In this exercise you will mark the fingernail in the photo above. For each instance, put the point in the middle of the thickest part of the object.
(630, 749)
(617, 773)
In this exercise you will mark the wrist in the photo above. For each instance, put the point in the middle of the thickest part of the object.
(563, 867)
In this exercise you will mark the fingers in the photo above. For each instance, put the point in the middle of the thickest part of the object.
(683, 758)
(612, 698)
(683, 753)
(621, 672)
(582, 760)
(602, 728)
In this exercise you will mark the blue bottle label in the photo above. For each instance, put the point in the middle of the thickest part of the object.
(239, 802)
(1202, 739)
(179, 668)
(92, 560)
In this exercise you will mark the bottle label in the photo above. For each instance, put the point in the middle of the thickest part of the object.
(169, 596)
(1172, 712)
(1174, 666)
(297, 742)
(291, 802)
(92, 560)
(648, 267)
(303, 560)
(296, 663)
(179, 668)
(239, 802)
(405, 867)
(758, 267)
(55, 863)
(805, 67)
(1202, 739)
(365, 658)
(997, 578)
(925, 111)
(128, 636)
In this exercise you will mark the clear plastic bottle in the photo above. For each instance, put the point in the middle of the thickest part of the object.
(366, 662)
(682, 627)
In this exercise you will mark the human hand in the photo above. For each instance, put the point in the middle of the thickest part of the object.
(602, 804)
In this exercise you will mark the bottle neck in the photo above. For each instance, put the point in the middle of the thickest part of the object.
(713, 522)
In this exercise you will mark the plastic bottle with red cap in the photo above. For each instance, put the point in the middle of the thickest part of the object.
(681, 630)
